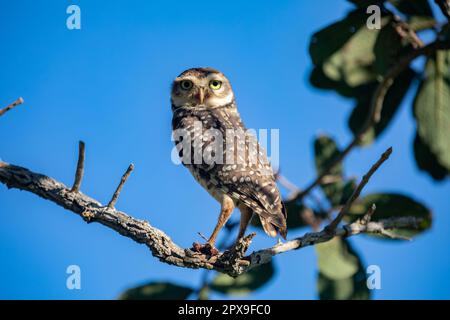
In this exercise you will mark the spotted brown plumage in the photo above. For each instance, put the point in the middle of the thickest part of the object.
(204, 108)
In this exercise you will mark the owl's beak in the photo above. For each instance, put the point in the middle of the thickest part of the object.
(200, 95)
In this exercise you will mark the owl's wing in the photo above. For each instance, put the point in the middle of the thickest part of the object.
(256, 191)
(252, 183)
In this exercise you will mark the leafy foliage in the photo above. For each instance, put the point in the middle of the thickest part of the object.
(352, 288)
(389, 46)
(341, 272)
(344, 51)
(335, 260)
(349, 58)
(353, 62)
(432, 108)
(427, 161)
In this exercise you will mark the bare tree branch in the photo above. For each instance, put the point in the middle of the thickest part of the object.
(124, 179)
(333, 225)
(19, 101)
(80, 167)
(379, 227)
(376, 106)
(232, 262)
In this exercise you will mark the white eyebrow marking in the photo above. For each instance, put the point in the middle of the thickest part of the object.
(192, 78)
(216, 76)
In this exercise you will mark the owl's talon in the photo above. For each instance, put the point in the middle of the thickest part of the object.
(206, 248)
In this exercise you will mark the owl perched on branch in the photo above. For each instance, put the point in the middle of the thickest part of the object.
(214, 145)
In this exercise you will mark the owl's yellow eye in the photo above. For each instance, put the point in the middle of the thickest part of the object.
(215, 84)
(186, 84)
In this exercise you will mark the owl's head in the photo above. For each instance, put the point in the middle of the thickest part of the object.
(205, 87)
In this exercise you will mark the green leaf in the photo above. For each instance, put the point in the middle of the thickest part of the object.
(391, 104)
(331, 39)
(427, 161)
(157, 291)
(203, 294)
(335, 260)
(432, 107)
(352, 288)
(318, 79)
(393, 205)
(389, 47)
(245, 283)
(325, 151)
(341, 272)
(294, 211)
(344, 50)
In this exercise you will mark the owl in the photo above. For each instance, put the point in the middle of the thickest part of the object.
(228, 162)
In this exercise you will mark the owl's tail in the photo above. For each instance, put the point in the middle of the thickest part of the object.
(273, 229)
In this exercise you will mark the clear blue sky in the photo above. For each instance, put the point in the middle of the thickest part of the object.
(108, 84)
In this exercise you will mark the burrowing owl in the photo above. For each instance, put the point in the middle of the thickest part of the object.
(205, 116)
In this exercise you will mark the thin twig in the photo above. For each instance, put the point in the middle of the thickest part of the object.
(332, 226)
(202, 236)
(376, 106)
(368, 216)
(19, 101)
(80, 168)
(124, 179)
(405, 31)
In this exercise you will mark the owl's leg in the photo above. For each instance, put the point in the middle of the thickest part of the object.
(226, 210)
(246, 215)
(227, 207)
